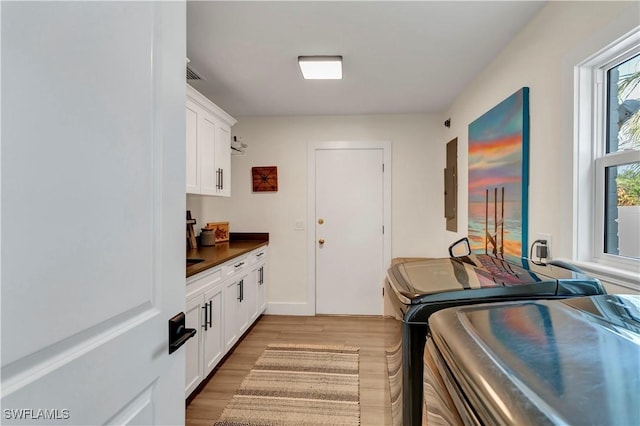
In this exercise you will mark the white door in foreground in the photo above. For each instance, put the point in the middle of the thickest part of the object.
(93, 178)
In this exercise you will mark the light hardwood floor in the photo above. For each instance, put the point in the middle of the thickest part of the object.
(366, 333)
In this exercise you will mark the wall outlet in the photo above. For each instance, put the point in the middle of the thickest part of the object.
(542, 236)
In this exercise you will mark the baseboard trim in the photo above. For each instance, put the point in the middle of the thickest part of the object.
(289, 308)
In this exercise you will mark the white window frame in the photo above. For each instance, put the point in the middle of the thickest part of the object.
(591, 160)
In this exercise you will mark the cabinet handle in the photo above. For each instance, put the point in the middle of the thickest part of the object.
(205, 317)
(238, 265)
(261, 275)
(218, 179)
(260, 254)
(240, 291)
(221, 178)
(210, 313)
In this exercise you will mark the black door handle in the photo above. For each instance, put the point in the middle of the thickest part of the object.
(240, 290)
(210, 313)
(205, 317)
(178, 333)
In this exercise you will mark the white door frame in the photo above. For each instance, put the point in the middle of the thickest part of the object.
(311, 208)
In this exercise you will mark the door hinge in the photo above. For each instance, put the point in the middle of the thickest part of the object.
(382, 167)
(382, 229)
(382, 291)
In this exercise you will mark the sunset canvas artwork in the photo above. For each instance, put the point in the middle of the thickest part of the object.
(498, 178)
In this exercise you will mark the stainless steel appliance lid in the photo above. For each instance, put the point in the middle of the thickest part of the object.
(573, 362)
(411, 280)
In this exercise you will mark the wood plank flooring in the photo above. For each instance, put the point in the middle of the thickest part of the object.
(367, 333)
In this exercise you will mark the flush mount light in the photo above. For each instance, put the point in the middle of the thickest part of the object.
(321, 67)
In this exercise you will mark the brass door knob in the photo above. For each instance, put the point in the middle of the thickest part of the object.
(320, 221)
(321, 241)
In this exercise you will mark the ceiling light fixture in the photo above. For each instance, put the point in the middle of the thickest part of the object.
(321, 67)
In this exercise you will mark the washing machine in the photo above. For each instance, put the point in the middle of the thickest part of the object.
(568, 362)
(414, 290)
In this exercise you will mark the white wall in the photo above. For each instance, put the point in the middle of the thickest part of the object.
(534, 58)
(538, 58)
(418, 152)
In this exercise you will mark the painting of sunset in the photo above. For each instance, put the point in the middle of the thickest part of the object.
(498, 178)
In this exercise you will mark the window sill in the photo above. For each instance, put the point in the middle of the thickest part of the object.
(617, 276)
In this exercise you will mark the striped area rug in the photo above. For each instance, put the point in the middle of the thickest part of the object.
(298, 385)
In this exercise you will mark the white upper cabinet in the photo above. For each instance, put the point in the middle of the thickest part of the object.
(223, 159)
(193, 171)
(208, 145)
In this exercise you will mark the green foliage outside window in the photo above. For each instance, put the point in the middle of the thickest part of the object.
(629, 187)
(628, 180)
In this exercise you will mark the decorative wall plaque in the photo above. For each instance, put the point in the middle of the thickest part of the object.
(265, 179)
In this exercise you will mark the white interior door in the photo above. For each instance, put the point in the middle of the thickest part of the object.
(93, 181)
(349, 223)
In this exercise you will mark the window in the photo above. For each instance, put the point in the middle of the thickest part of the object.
(607, 175)
(618, 163)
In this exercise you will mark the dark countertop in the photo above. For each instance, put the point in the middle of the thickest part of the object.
(239, 244)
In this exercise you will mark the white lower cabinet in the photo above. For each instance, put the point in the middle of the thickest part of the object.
(204, 313)
(261, 297)
(194, 372)
(258, 262)
(222, 303)
(213, 343)
(236, 308)
(258, 292)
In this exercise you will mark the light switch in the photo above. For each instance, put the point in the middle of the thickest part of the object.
(299, 226)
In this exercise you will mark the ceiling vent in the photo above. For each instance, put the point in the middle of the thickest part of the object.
(192, 74)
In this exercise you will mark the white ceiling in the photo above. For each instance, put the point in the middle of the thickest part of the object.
(399, 57)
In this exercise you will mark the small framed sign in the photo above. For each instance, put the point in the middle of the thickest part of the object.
(265, 179)
(220, 229)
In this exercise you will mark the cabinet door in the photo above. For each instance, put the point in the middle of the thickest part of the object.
(193, 319)
(213, 339)
(206, 154)
(251, 293)
(261, 301)
(231, 308)
(193, 170)
(223, 159)
(243, 313)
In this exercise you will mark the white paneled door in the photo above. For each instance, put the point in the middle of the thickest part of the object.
(349, 239)
(93, 178)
